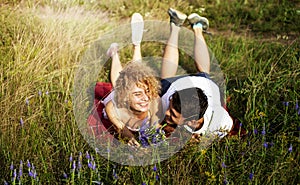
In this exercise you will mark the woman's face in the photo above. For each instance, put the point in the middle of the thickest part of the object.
(139, 100)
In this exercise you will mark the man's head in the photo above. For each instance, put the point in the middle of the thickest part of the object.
(186, 105)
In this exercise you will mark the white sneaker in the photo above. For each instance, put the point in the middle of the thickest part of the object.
(195, 19)
(112, 50)
(137, 28)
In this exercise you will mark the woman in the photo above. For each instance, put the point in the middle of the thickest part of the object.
(134, 101)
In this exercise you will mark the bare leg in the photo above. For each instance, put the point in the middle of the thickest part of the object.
(137, 29)
(171, 55)
(137, 55)
(116, 66)
(201, 54)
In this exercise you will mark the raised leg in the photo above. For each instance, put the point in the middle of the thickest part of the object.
(171, 54)
(137, 29)
(116, 66)
(201, 54)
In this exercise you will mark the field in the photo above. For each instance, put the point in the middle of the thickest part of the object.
(43, 42)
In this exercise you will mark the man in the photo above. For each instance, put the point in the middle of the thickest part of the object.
(191, 100)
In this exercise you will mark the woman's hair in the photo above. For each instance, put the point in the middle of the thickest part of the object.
(139, 74)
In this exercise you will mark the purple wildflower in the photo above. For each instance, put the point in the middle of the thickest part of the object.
(79, 165)
(40, 93)
(21, 122)
(255, 131)
(263, 132)
(265, 144)
(157, 177)
(223, 165)
(15, 174)
(225, 181)
(65, 175)
(32, 166)
(74, 165)
(30, 173)
(286, 103)
(12, 166)
(34, 175)
(47, 93)
(144, 183)
(87, 155)
(155, 168)
(251, 176)
(28, 164)
(94, 166)
(290, 148)
(5, 182)
(297, 106)
(21, 169)
(115, 174)
(90, 164)
(299, 112)
(71, 158)
(27, 102)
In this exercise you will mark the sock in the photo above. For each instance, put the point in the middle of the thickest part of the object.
(198, 25)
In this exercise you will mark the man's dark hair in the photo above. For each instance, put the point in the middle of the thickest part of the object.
(191, 103)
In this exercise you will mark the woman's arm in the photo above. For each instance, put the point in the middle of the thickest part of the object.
(124, 132)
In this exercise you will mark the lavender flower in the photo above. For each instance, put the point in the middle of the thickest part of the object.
(27, 102)
(74, 165)
(47, 93)
(40, 93)
(265, 144)
(225, 181)
(87, 155)
(290, 148)
(30, 173)
(297, 106)
(251, 176)
(5, 182)
(21, 169)
(71, 158)
(65, 175)
(12, 166)
(263, 132)
(90, 164)
(286, 103)
(155, 168)
(115, 174)
(223, 165)
(157, 177)
(21, 122)
(28, 164)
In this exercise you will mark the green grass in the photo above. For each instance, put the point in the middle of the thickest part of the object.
(256, 44)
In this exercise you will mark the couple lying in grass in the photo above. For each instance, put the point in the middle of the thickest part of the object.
(143, 109)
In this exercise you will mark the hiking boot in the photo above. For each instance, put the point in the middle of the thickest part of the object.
(195, 19)
(112, 50)
(137, 28)
(176, 17)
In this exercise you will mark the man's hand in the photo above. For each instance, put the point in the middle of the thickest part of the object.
(133, 142)
(196, 124)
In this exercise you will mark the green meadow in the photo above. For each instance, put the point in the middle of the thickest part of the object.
(42, 44)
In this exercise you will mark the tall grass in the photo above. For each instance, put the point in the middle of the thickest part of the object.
(42, 44)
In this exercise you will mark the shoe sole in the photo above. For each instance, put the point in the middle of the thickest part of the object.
(195, 18)
(137, 28)
(177, 16)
